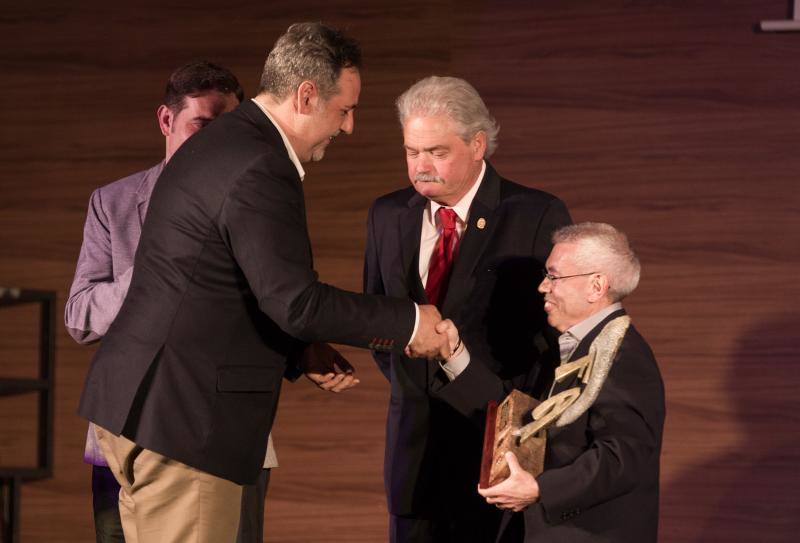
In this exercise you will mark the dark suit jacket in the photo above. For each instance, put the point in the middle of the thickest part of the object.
(432, 454)
(223, 282)
(600, 482)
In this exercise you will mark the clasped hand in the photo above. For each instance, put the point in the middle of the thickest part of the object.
(436, 339)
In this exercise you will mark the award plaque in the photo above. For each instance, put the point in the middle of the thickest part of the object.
(502, 423)
(520, 422)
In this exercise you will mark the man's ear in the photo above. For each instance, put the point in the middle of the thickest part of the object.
(165, 118)
(307, 97)
(598, 287)
(478, 145)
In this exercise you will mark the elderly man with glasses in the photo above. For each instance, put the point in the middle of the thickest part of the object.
(600, 478)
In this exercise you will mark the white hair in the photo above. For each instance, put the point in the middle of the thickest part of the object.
(603, 248)
(456, 99)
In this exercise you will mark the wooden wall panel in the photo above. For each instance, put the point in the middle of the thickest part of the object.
(672, 120)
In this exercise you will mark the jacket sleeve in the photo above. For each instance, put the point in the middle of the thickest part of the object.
(95, 296)
(473, 389)
(263, 221)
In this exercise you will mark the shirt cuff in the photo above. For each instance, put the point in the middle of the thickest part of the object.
(454, 366)
(416, 324)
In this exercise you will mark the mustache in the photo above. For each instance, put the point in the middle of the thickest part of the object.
(427, 178)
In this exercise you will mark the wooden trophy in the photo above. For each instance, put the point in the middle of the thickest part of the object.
(502, 422)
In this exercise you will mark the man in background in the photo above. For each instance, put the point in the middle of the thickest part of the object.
(465, 239)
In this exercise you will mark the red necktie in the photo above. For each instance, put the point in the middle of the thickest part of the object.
(442, 258)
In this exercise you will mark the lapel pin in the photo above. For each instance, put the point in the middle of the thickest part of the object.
(481, 224)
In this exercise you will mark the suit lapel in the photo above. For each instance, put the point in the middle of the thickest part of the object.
(410, 226)
(254, 114)
(251, 110)
(474, 241)
(470, 248)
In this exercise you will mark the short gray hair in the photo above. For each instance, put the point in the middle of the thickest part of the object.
(454, 98)
(604, 249)
(308, 51)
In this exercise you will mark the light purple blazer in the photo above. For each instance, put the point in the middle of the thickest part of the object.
(105, 265)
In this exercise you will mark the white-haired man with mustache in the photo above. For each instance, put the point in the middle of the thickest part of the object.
(465, 239)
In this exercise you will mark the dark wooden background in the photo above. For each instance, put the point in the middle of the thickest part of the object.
(673, 120)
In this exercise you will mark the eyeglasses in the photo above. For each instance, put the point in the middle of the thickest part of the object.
(551, 277)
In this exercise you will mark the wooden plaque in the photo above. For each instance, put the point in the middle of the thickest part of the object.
(501, 422)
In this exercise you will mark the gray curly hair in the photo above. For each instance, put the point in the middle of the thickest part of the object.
(308, 52)
(455, 98)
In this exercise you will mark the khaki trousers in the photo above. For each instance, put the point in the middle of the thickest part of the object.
(165, 501)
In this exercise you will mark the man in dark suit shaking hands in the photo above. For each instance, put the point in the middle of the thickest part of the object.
(185, 385)
(466, 239)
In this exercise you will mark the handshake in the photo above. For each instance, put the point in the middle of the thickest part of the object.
(435, 339)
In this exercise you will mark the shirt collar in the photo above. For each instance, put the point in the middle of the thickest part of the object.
(292, 155)
(463, 205)
(580, 330)
(566, 345)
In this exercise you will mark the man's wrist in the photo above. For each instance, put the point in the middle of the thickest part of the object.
(456, 363)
